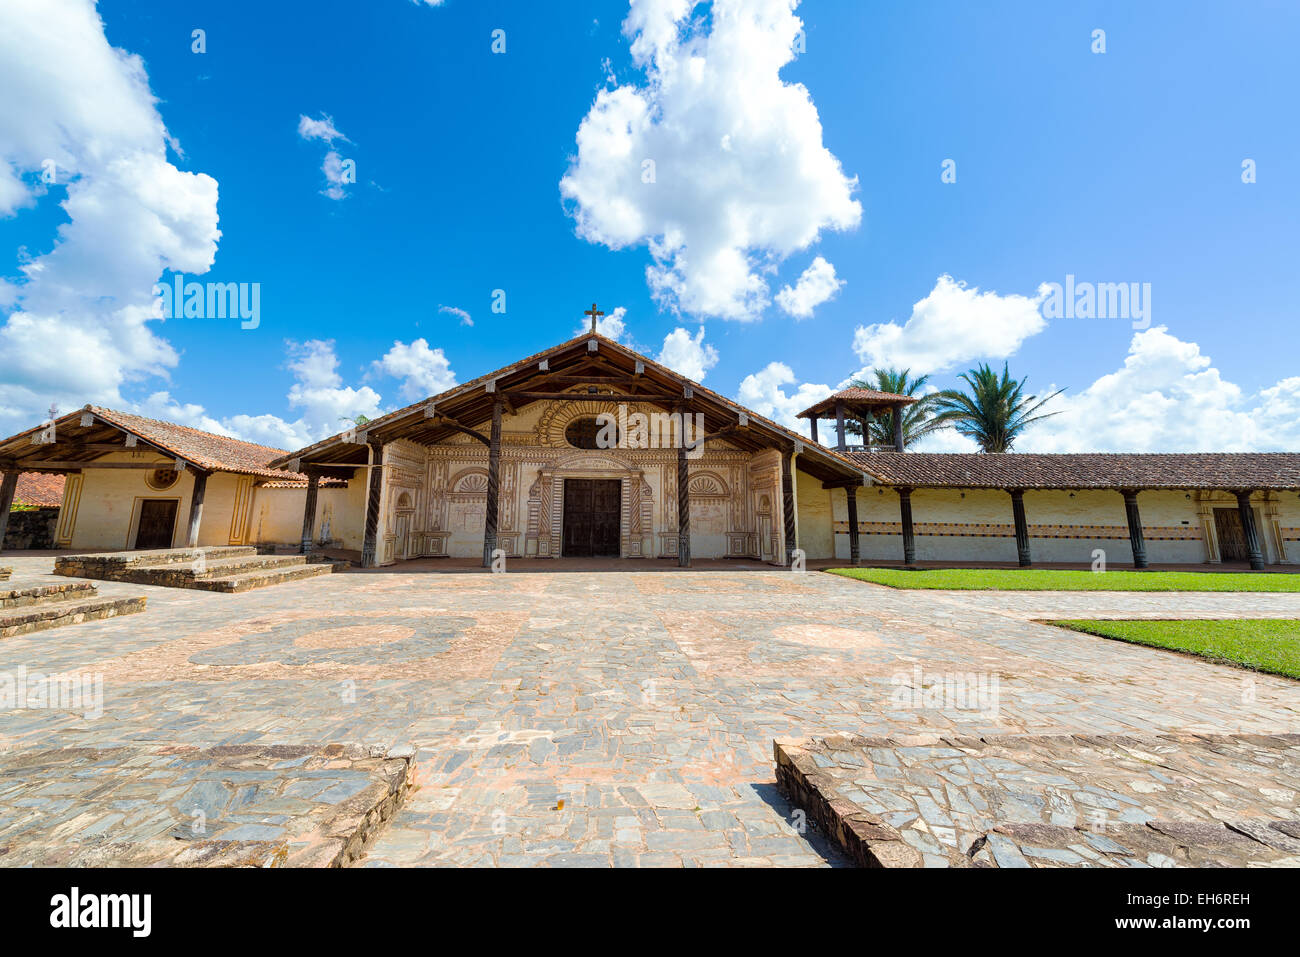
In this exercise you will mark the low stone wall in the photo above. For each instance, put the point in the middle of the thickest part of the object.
(31, 528)
(1053, 800)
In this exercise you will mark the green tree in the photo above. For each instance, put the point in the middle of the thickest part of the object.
(993, 411)
(918, 418)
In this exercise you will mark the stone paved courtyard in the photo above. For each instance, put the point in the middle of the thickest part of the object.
(597, 718)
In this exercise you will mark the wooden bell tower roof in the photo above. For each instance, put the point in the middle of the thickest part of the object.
(855, 400)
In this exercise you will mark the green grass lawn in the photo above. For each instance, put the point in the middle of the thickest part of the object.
(1262, 644)
(1043, 579)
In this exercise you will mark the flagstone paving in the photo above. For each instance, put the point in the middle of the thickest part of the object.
(620, 718)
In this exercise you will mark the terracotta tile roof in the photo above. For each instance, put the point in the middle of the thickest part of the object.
(1196, 470)
(35, 488)
(856, 396)
(204, 449)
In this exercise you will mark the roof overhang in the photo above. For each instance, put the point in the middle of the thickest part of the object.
(589, 367)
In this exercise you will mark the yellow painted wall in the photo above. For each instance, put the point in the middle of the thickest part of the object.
(813, 506)
(1160, 509)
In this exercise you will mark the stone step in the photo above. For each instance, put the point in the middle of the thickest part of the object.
(44, 594)
(57, 613)
(111, 566)
(232, 584)
(5, 573)
(219, 568)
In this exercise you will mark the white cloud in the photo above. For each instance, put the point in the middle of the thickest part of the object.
(815, 286)
(741, 179)
(465, 318)
(318, 390)
(764, 392)
(1169, 397)
(82, 322)
(687, 355)
(423, 371)
(337, 175)
(954, 323)
(613, 326)
(321, 129)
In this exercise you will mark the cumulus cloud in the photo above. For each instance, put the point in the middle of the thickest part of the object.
(715, 163)
(955, 323)
(319, 394)
(688, 355)
(423, 371)
(1169, 397)
(817, 285)
(766, 393)
(82, 318)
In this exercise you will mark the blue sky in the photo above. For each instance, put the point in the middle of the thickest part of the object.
(1122, 166)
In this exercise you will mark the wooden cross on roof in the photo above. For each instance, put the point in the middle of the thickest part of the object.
(595, 314)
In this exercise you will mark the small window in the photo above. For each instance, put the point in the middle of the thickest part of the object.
(583, 434)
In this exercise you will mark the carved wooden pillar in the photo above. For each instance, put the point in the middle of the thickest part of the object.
(909, 537)
(854, 553)
(787, 505)
(493, 486)
(683, 502)
(813, 431)
(309, 510)
(369, 545)
(1135, 536)
(1022, 527)
(841, 445)
(899, 444)
(866, 432)
(7, 487)
(196, 508)
(1251, 530)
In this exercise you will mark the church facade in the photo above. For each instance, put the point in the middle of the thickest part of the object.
(591, 450)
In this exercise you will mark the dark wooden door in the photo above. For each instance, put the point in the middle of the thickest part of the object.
(591, 517)
(1232, 537)
(157, 523)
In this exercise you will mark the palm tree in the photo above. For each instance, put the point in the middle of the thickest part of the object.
(918, 418)
(995, 410)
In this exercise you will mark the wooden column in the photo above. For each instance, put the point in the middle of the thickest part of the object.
(839, 427)
(493, 486)
(1022, 527)
(909, 537)
(898, 428)
(813, 432)
(369, 549)
(683, 502)
(1251, 531)
(7, 487)
(196, 508)
(854, 553)
(1135, 536)
(787, 504)
(866, 432)
(309, 510)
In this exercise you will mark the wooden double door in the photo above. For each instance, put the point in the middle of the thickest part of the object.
(591, 517)
(1232, 535)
